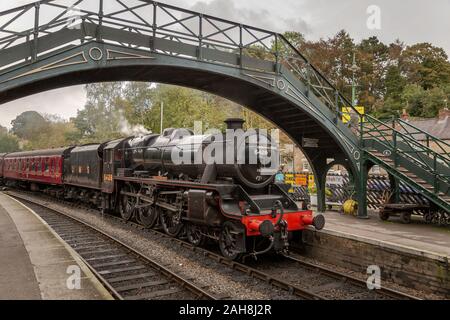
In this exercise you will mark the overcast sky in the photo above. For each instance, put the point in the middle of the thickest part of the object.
(410, 21)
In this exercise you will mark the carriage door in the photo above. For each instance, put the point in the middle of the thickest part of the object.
(108, 168)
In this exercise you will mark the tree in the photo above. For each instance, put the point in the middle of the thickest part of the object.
(28, 125)
(423, 103)
(425, 65)
(8, 142)
(394, 83)
(102, 113)
(371, 55)
(182, 107)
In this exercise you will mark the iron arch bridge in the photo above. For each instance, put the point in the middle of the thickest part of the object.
(50, 44)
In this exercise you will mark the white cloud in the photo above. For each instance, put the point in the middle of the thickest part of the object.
(63, 102)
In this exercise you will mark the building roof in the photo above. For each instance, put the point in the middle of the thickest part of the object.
(438, 127)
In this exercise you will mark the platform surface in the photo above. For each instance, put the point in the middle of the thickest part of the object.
(36, 264)
(419, 237)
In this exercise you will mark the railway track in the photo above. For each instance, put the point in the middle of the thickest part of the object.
(125, 273)
(296, 284)
(335, 283)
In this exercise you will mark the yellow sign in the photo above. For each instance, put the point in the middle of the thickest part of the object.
(310, 181)
(301, 179)
(289, 178)
(346, 113)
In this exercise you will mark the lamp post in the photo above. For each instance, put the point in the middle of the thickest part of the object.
(354, 68)
(162, 117)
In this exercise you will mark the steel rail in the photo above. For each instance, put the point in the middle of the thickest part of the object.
(183, 282)
(394, 294)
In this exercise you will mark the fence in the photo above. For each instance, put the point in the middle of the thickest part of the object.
(378, 186)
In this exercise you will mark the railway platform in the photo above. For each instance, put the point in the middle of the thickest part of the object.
(36, 263)
(401, 251)
(417, 237)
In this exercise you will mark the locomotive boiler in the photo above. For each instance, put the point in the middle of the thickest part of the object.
(249, 158)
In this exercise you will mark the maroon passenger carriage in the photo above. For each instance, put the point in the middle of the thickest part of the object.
(35, 167)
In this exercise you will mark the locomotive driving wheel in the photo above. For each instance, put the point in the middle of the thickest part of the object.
(229, 241)
(147, 216)
(127, 203)
(171, 225)
(194, 235)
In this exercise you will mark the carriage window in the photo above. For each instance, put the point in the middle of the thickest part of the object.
(47, 166)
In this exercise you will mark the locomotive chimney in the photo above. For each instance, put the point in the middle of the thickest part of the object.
(235, 123)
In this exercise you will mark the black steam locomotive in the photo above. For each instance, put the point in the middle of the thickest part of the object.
(212, 186)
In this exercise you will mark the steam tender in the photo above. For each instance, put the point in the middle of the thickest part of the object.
(216, 186)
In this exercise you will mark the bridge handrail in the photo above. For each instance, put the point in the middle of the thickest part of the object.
(406, 136)
(422, 152)
(428, 137)
(344, 99)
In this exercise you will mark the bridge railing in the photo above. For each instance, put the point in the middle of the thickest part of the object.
(403, 144)
(316, 82)
(217, 40)
(438, 145)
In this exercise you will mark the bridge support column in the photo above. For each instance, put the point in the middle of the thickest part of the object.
(320, 175)
(320, 185)
(362, 189)
(394, 190)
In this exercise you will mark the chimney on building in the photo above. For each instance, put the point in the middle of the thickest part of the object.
(444, 113)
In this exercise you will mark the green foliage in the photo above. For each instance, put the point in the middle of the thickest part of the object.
(182, 106)
(112, 106)
(421, 102)
(426, 65)
(37, 131)
(385, 73)
(28, 125)
(8, 142)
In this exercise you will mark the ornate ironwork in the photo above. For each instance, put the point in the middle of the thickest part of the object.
(87, 20)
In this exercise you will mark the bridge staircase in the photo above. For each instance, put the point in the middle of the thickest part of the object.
(411, 155)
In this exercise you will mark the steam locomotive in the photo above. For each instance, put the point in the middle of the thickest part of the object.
(213, 186)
